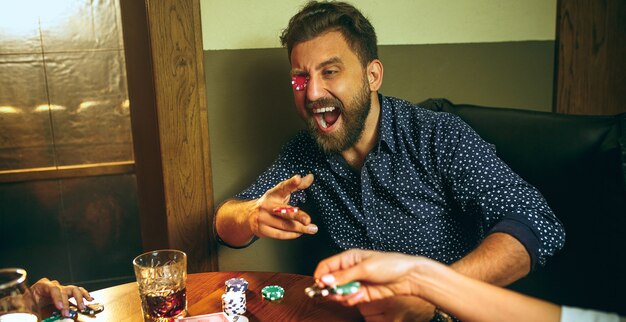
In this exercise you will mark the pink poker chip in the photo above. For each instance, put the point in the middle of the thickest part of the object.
(299, 82)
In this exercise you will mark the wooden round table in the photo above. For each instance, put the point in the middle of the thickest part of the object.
(204, 295)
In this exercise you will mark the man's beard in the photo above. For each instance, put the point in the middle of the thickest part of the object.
(353, 118)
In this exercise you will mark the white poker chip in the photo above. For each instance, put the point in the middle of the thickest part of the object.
(238, 318)
(234, 303)
(237, 284)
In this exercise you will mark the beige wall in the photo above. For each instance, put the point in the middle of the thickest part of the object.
(249, 97)
(239, 24)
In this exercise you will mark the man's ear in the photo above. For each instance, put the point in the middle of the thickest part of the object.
(375, 74)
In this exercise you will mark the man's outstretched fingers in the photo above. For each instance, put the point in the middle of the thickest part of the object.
(295, 183)
(295, 226)
(276, 233)
(306, 181)
(287, 211)
(277, 227)
(290, 185)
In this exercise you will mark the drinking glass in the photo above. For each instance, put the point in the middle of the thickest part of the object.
(161, 277)
(16, 300)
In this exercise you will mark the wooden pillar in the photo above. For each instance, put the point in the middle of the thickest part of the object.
(166, 84)
(591, 57)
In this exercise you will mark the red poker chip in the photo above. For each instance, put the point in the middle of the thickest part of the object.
(284, 210)
(299, 82)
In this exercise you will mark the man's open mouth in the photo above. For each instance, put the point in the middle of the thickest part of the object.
(326, 116)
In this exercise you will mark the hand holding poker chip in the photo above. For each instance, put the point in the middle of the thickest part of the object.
(344, 289)
(273, 216)
(289, 212)
(286, 210)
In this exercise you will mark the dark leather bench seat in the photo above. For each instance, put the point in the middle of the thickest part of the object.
(579, 165)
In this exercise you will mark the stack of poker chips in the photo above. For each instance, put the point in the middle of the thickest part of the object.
(273, 293)
(234, 303)
(236, 284)
(234, 299)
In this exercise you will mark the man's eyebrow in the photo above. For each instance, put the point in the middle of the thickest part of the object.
(330, 61)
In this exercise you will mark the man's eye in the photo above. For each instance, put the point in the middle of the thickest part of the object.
(330, 72)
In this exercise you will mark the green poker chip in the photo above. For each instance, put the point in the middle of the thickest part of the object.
(273, 292)
(346, 289)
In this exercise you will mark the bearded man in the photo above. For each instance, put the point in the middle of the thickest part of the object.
(384, 174)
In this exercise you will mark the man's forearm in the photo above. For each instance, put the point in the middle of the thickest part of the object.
(500, 260)
(231, 222)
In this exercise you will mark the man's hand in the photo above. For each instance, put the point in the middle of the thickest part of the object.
(237, 222)
(46, 291)
(266, 218)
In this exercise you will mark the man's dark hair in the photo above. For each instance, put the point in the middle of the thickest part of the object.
(317, 18)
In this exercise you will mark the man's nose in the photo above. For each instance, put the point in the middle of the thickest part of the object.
(315, 89)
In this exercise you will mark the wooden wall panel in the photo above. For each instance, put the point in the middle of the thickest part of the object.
(591, 72)
(170, 126)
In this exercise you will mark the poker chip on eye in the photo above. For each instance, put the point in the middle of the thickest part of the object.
(299, 82)
(273, 292)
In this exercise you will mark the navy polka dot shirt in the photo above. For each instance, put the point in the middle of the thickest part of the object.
(430, 187)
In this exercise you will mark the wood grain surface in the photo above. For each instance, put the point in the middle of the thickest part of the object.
(204, 291)
(166, 87)
(591, 50)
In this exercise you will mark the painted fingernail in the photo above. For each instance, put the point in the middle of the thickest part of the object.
(311, 229)
(59, 305)
(329, 279)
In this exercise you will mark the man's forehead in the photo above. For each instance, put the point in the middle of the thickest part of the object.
(327, 39)
(328, 48)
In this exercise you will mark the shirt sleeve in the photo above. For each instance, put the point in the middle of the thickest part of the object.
(282, 168)
(287, 164)
(574, 314)
(484, 186)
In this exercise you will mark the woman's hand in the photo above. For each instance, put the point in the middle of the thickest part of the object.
(46, 291)
(382, 275)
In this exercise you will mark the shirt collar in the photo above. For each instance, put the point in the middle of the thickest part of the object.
(386, 123)
(386, 137)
